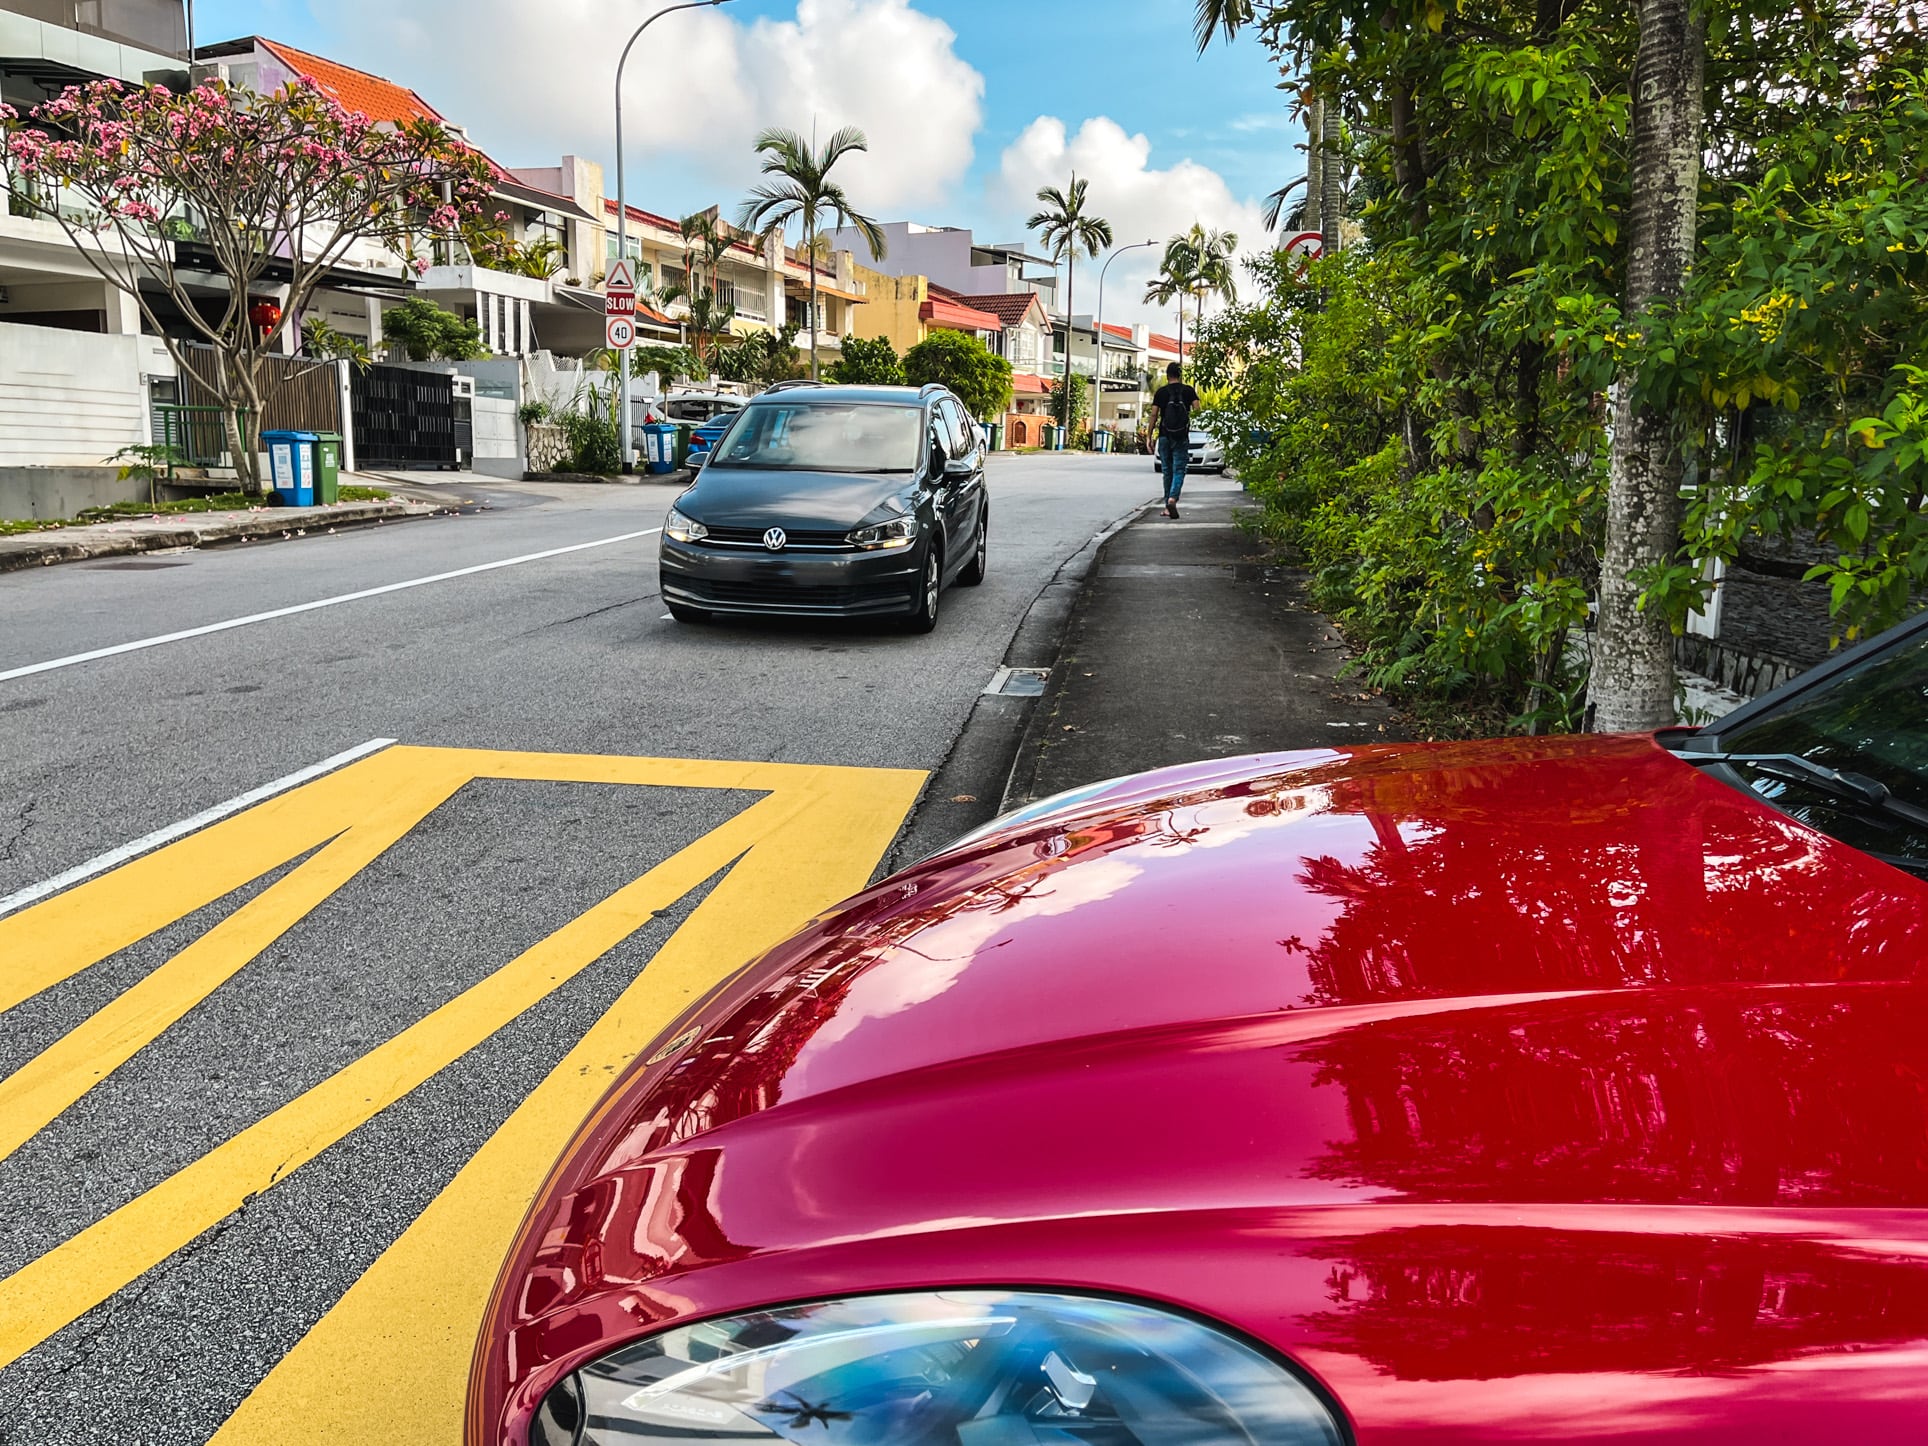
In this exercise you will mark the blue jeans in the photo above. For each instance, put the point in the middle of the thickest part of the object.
(1174, 455)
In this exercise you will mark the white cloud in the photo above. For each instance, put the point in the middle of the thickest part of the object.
(1142, 203)
(534, 81)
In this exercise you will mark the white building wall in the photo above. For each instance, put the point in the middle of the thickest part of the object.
(495, 430)
(73, 398)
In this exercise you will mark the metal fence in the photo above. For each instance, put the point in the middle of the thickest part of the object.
(297, 395)
(405, 418)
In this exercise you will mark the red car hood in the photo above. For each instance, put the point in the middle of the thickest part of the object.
(1425, 1065)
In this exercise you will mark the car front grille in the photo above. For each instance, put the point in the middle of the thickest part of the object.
(793, 597)
(804, 539)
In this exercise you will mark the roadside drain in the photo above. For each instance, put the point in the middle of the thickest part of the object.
(1018, 682)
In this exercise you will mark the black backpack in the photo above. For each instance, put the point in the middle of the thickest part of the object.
(1175, 416)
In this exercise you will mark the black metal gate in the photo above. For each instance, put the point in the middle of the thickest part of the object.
(403, 418)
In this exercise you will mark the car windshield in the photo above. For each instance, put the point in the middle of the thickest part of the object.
(824, 437)
(1870, 720)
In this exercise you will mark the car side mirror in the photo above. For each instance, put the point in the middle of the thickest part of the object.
(697, 460)
(957, 467)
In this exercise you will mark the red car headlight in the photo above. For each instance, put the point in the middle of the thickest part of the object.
(961, 1368)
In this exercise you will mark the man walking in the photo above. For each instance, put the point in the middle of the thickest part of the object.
(1172, 404)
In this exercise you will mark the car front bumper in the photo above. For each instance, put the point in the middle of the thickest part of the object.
(792, 583)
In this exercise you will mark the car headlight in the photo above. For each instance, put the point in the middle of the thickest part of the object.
(684, 529)
(949, 1367)
(898, 532)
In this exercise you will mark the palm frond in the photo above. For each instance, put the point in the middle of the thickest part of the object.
(782, 149)
(844, 142)
(772, 205)
(1215, 17)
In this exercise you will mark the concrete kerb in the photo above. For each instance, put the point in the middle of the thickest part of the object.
(982, 757)
(1062, 594)
(167, 532)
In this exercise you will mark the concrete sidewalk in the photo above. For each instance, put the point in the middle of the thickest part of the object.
(1187, 642)
(128, 535)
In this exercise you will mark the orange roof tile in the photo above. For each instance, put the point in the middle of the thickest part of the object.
(380, 100)
(1008, 307)
(958, 317)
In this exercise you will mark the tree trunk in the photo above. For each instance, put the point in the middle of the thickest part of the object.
(816, 316)
(1314, 164)
(1070, 349)
(240, 417)
(1332, 179)
(1631, 685)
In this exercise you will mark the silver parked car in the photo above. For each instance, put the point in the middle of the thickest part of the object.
(1207, 454)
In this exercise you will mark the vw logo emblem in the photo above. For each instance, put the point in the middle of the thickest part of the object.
(774, 539)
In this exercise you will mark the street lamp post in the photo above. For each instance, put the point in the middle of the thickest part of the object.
(1098, 404)
(622, 205)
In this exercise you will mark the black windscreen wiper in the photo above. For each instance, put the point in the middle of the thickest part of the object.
(1793, 768)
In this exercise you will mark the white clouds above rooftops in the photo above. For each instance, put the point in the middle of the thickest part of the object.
(533, 79)
(1141, 202)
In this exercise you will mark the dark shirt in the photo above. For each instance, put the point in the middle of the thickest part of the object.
(1182, 399)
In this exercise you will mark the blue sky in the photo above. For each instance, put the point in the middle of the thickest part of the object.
(969, 104)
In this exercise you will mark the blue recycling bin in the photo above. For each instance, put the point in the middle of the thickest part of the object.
(291, 466)
(659, 447)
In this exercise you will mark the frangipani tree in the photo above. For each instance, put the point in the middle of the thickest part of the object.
(273, 190)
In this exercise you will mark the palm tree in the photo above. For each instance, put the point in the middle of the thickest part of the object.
(1063, 227)
(804, 192)
(1197, 264)
(1173, 283)
(706, 241)
(1213, 274)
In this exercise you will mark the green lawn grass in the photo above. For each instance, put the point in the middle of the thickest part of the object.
(218, 502)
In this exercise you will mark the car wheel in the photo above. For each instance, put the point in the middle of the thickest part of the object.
(686, 614)
(973, 573)
(923, 615)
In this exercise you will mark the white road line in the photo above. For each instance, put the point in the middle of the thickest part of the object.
(115, 857)
(308, 607)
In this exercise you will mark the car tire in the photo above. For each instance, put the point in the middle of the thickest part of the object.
(926, 603)
(973, 573)
(686, 614)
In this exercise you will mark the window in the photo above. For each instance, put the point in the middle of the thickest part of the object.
(957, 434)
(802, 437)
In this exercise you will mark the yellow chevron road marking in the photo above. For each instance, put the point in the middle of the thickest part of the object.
(34, 1095)
(391, 1360)
(813, 838)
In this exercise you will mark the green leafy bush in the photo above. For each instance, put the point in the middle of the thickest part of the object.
(981, 378)
(868, 361)
(1068, 401)
(426, 332)
(594, 443)
(762, 358)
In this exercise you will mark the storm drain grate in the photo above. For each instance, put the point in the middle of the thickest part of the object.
(1019, 682)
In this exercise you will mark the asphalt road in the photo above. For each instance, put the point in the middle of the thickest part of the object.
(238, 1071)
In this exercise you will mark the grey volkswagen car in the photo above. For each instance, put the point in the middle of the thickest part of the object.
(832, 501)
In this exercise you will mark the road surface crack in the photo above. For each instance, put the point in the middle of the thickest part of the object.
(592, 613)
(23, 823)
